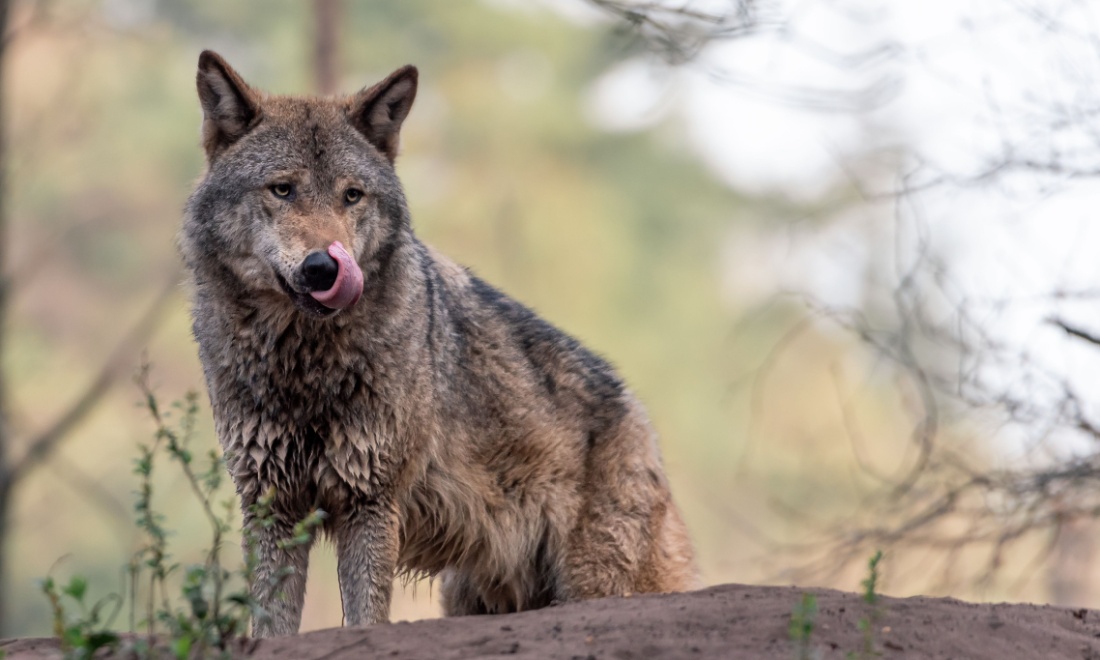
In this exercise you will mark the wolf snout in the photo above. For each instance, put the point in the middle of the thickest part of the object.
(319, 271)
(334, 278)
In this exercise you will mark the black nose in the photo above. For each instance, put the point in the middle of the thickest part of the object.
(319, 271)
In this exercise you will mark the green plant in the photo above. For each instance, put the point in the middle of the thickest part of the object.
(801, 627)
(213, 604)
(81, 636)
(869, 623)
(870, 583)
(209, 620)
(218, 603)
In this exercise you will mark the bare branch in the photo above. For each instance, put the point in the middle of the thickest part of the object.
(94, 492)
(116, 365)
(10, 33)
(1074, 331)
(678, 33)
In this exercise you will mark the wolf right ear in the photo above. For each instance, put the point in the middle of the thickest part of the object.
(379, 110)
(229, 106)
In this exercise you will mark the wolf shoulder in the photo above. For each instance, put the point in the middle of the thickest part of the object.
(512, 342)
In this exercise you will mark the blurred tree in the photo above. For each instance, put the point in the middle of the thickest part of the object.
(679, 32)
(38, 447)
(1028, 153)
(5, 468)
(327, 16)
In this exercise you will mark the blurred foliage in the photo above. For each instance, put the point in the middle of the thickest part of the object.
(619, 238)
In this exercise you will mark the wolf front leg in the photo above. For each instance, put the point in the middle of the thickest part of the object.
(366, 557)
(279, 581)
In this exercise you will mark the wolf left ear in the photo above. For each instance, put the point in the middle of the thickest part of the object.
(229, 106)
(379, 110)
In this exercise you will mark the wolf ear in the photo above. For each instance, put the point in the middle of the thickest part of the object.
(379, 110)
(229, 106)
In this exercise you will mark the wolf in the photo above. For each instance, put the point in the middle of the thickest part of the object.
(444, 428)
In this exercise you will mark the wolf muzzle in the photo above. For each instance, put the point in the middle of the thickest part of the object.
(334, 278)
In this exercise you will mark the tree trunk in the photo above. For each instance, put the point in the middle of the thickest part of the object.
(1069, 567)
(326, 45)
(5, 436)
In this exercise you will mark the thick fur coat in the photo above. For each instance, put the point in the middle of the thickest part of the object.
(444, 427)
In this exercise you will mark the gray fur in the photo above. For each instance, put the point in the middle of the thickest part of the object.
(444, 427)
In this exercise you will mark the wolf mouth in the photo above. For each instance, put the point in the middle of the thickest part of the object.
(303, 300)
(345, 290)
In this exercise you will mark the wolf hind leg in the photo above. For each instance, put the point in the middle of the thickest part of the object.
(533, 585)
(614, 553)
(459, 595)
(601, 560)
(628, 536)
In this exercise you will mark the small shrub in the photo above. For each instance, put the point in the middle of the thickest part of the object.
(869, 623)
(213, 605)
(801, 628)
(81, 636)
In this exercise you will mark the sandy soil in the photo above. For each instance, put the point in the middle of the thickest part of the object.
(728, 621)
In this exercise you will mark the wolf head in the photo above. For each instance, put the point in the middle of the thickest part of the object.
(300, 194)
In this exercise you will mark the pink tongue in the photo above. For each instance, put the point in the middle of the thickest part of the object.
(347, 288)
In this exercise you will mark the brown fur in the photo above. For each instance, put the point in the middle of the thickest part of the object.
(444, 428)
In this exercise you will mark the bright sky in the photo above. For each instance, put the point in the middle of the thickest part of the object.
(978, 82)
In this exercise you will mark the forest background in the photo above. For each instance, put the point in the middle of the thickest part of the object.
(559, 149)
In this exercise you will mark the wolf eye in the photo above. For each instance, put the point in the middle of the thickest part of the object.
(352, 196)
(283, 190)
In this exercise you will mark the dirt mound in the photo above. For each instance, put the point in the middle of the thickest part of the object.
(720, 622)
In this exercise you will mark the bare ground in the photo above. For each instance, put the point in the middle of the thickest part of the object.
(728, 621)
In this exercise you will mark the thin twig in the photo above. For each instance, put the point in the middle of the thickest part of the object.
(40, 447)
